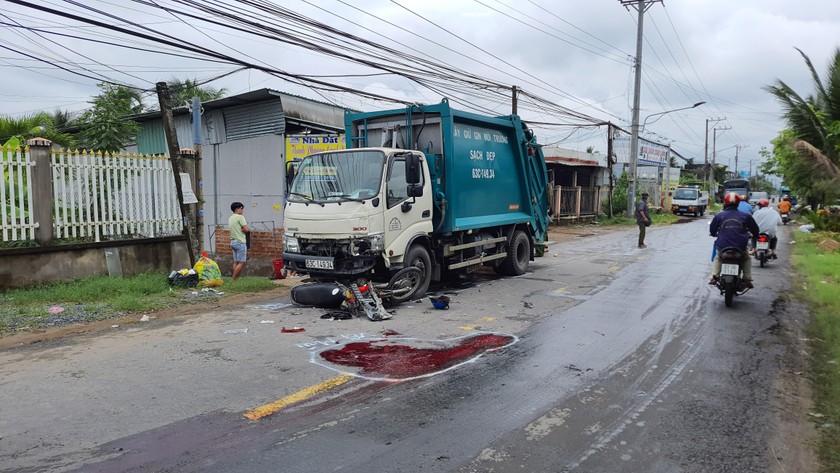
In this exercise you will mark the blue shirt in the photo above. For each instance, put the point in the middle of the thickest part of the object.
(733, 228)
(745, 207)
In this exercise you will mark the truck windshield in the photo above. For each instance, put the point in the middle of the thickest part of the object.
(337, 176)
(685, 194)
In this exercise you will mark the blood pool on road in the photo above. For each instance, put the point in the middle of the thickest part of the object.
(401, 359)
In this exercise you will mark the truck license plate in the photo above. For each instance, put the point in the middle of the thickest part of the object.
(762, 245)
(729, 269)
(319, 264)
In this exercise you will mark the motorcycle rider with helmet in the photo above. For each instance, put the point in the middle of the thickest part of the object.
(784, 205)
(767, 219)
(733, 229)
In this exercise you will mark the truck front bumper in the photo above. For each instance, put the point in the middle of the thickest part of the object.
(328, 265)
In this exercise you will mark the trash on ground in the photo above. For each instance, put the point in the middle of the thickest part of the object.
(806, 228)
(209, 274)
(55, 310)
(292, 330)
(266, 321)
(145, 318)
(440, 302)
(214, 291)
(528, 305)
(236, 330)
(183, 278)
(337, 315)
(115, 326)
(390, 333)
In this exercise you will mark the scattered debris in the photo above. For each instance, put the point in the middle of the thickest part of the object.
(440, 302)
(214, 291)
(806, 228)
(390, 333)
(145, 318)
(528, 305)
(292, 330)
(266, 321)
(115, 326)
(54, 310)
(236, 330)
(337, 315)
(828, 245)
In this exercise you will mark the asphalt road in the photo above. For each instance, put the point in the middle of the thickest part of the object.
(603, 358)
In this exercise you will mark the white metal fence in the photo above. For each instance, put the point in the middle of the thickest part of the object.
(16, 196)
(96, 196)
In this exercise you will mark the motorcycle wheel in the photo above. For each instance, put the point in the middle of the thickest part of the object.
(762, 258)
(729, 295)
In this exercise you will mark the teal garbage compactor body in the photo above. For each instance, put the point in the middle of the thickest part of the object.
(486, 171)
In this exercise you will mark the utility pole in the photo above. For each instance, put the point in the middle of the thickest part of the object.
(165, 100)
(714, 153)
(737, 149)
(641, 6)
(514, 99)
(706, 153)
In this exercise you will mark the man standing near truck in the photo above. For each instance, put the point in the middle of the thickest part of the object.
(238, 227)
(642, 218)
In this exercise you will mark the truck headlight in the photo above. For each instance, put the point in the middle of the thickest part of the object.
(290, 244)
(376, 243)
(370, 244)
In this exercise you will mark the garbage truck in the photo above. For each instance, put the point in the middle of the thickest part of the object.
(421, 194)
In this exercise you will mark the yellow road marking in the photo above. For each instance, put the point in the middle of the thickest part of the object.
(468, 327)
(488, 319)
(273, 407)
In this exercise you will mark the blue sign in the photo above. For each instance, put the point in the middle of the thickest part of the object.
(744, 174)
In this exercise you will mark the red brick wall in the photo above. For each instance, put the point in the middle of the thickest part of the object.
(264, 245)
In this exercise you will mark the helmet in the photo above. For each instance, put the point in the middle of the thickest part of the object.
(731, 198)
(785, 197)
(763, 202)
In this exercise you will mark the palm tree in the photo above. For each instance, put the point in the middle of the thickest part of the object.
(808, 151)
(184, 91)
(31, 126)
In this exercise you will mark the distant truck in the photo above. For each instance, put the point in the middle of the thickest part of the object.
(689, 200)
(438, 189)
(738, 186)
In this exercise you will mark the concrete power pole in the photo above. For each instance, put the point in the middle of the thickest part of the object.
(641, 6)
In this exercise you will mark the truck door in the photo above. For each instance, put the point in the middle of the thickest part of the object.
(404, 216)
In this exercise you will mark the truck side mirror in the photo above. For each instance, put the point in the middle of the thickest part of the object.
(413, 173)
(414, 190)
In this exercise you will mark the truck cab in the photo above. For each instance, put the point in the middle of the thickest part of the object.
(689, 200)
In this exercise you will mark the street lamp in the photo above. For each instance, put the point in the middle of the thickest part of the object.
(634, 155)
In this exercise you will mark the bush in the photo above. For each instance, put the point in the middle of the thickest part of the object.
(823, 220)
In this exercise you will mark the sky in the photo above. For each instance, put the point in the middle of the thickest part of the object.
(572, 59)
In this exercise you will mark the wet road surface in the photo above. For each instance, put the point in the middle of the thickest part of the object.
(602, 358)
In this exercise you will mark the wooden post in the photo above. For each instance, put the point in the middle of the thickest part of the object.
(42, 190)
(165, 101)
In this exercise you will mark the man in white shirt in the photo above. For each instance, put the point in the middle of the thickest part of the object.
(767, 219)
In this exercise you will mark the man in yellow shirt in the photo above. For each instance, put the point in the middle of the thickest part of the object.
(238, 227)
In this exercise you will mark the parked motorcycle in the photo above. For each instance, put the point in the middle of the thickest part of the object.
(785, 218)
(762, 249)
(730, 283)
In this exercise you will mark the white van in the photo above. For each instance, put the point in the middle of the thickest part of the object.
(756, 196)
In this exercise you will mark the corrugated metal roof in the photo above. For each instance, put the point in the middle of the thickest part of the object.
(573, 158)
(255, 119)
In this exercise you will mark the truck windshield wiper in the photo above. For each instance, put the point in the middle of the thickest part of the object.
(307, 198)
(347, 197)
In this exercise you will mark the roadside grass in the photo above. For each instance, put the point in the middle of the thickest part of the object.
(99, 298)
(819, 286)
(657, 219)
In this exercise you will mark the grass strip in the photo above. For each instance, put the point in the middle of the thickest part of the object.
(101, 297)
(819, 285)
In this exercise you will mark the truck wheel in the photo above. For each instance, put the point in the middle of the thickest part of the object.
(518, 255)
(418, 257)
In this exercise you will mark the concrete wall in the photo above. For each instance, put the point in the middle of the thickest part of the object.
(23, 267)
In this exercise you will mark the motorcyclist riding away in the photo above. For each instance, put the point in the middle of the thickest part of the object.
(733, 229)
(767, 219)
(784, 205)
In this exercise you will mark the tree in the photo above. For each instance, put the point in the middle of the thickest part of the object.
(806, 154)
(33, 126)
(104, 126)
(184, 91)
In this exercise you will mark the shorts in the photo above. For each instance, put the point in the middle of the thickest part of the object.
(240, 252)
